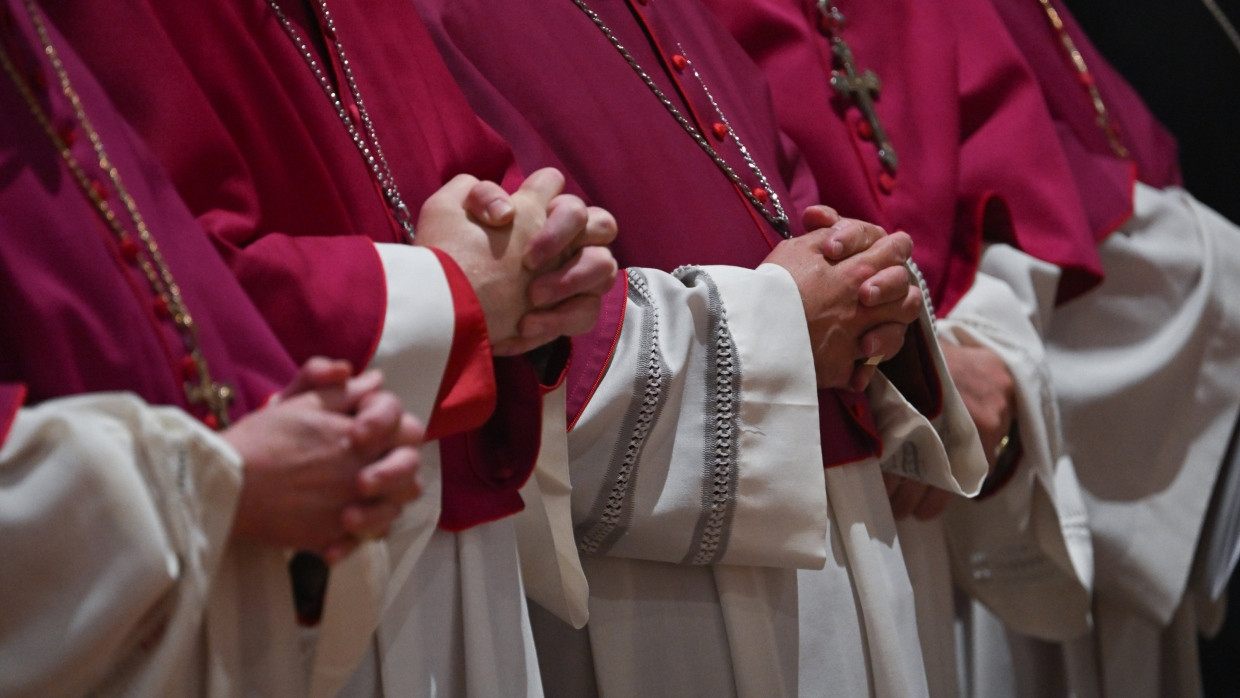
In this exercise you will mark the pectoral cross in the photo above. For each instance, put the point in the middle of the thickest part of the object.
(859, 87)
(216, 397)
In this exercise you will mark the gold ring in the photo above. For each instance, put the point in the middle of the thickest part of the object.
(874, 360)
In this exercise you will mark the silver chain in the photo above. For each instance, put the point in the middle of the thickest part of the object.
(1228, 28)
(778, 219)
(753, 165)
(367, 145)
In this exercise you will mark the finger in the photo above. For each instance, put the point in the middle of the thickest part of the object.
(343, 398)
(456, 189)
(891, 482)
(339, 550)
(377, 425)
(543, 185)
(489, 203)
(393, 478)
(371, 520)
(861, 377)
(601, 228)
(566, 221)
(887, 251)
(317, 372)
(906, 497)
(932, 504)
(882, 340)
(851, 236)
(412, 432)
(819, 216)
(573, 316)
(346, 399)
(889, 285)
(591, 270)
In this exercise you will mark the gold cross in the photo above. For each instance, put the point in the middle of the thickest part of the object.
(216, 396)
(859, 87)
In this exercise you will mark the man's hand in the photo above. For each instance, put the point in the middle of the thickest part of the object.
(989, 393)
(911, 497)
(858, 307)
(988, 390)
(573, 265)
(536, 259)
(329, 463)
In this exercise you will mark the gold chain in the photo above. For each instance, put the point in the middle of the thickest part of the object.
(200, 390)
(1103, 119)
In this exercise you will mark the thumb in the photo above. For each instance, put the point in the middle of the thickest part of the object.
(543, 185)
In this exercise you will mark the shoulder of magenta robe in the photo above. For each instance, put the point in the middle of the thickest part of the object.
(965, 122)
(233, 109)
(264, 160)
(1105, 179)
(75, 314)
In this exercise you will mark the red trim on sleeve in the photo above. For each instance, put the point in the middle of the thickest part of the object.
(483, 469)
(555, 369)
(913, 373)
(592, 352)
(12, 397)
(1123, 217)
(467, 392)
(846, 423)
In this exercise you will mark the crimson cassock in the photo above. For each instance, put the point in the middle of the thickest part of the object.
(1161, 329)
(229, 103)
(908, 120)
(117, 501)
(662, 119)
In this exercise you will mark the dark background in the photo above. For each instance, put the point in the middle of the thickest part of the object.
(1187, 70)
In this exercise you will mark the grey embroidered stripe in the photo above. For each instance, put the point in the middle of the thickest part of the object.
(612, 511)
(710, 537)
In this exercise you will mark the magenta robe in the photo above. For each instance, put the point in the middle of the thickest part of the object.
(965, 119)
(1105, 179)
(573, 102)
(76, 316)
(228, 104)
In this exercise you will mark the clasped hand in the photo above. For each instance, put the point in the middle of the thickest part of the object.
(537, 259)
(331, 462)
(856, 292)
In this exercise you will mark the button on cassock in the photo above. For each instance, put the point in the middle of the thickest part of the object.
(189, 367)
(886, 182)
(129, 249)
(720, 129)
(100, 190)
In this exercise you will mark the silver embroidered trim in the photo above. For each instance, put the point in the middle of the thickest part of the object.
(720, 439)
(612, 510)
(925, 289)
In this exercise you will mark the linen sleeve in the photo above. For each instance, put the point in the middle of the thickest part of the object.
(115, 516)
(1024, 551)
(434, 351)
(699, 443)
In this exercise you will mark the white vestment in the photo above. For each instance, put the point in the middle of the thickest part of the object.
(448, 607)
(1022, 558)
(1147, 370)
(1147, 367)
(117, 573)
(716, 565)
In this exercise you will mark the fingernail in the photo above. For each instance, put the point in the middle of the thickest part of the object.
(497, 209)
(837, 248)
